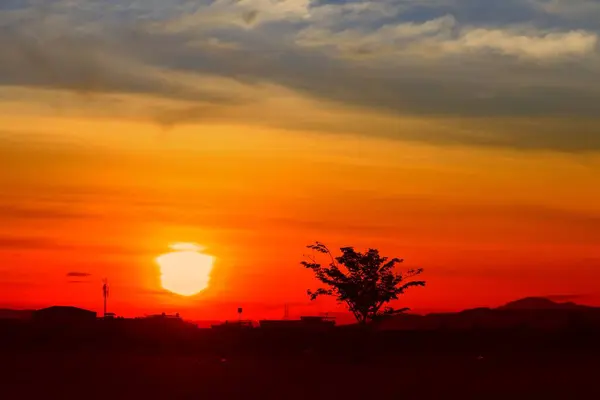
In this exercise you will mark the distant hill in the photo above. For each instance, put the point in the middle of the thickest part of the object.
(531, 312)
(541, 303)
(536, 312)
(15, 314)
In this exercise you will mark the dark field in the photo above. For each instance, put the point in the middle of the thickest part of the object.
(110, 375)
(132, 360)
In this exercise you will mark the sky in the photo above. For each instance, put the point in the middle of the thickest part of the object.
(462, 136)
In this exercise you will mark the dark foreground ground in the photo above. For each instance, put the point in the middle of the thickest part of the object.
(102, 361)
(108, 375)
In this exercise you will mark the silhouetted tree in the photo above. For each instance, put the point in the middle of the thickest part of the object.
(366, 282)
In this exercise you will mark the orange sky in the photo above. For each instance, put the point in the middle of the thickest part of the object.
(105, 198)
(461, 137)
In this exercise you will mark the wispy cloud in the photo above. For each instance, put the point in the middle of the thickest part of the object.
(11, 212)
(7, 242)
(42, 243)
(443, 37)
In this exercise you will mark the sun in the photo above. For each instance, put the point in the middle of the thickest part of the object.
(185, 270)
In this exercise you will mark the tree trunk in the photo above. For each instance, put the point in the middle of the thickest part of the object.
(363, 319)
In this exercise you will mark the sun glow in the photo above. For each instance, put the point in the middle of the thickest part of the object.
(185, 270)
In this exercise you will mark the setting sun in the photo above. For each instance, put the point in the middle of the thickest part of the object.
(185, 270)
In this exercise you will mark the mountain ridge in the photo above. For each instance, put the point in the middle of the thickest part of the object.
(536, 312)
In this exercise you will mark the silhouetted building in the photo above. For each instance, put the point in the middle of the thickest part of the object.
(110, 315)
(162, 317)
(163, 320)
(64, 315)
(234, 325)
(304, 323)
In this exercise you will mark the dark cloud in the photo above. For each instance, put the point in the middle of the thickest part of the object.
(75, 274)
(250, 16)
(89, 66)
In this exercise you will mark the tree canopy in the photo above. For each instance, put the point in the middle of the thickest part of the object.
(366, 282)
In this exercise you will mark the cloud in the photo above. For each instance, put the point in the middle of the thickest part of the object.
(244, 14)
(539, 46)
(21, 243)
(578, 10)
(76, 274)
(88, 66)
(441, 37)
(11, 212)
(42, 243)
(391, 60)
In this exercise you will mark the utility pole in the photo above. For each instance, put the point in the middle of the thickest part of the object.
(286, 312)
(105, 294)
